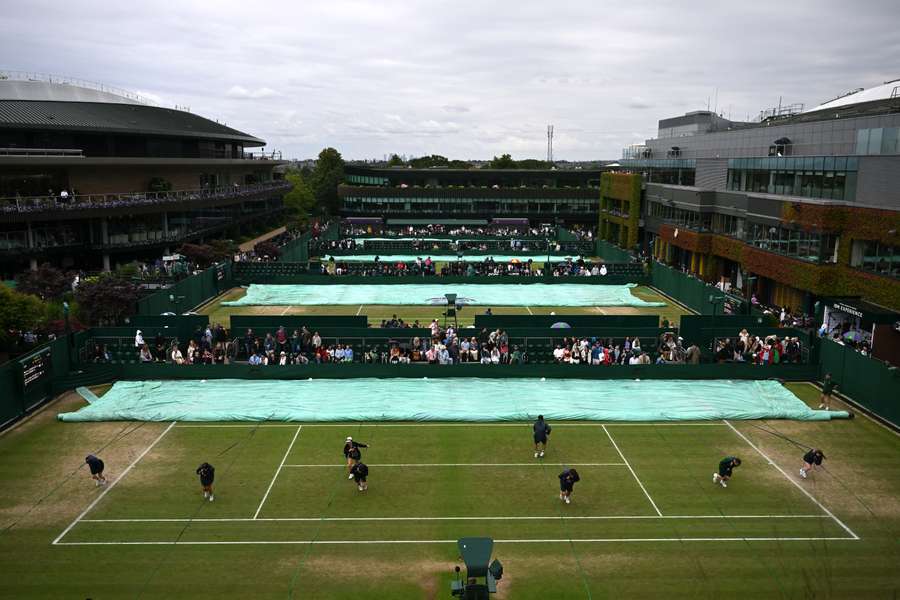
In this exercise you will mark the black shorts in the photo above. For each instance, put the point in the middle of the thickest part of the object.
(359, 479)
(96, 468)
(540, 439)
(566, 486)
(723, 472)
(206, 482)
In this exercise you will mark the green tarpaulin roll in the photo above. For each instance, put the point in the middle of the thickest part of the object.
(482, 294)
(446, 399)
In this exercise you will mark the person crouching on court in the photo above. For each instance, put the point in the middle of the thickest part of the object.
(96, 466)
(726, 466)
(811, 460)
(352, 454)
(567, 481)
(360, 471)
(207, 474)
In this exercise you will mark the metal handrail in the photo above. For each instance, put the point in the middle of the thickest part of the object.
(41, 152)
(80, 201)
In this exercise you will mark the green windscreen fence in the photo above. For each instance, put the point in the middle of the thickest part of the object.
(612, 253)
(595, 321)
(240, 323)
(869, 382)
(694, 293)
(533, 294)
(473, 399)
(188, 293)
(473, 258)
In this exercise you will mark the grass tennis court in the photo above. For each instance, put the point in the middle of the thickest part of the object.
(424, 314)
(286, 521)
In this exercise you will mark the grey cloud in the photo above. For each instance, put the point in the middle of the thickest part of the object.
(471, 79)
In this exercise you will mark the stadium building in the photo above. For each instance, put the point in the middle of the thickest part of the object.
(91, 176)
(794, 206)
(407, 196)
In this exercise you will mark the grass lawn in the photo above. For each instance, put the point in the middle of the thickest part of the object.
(645, 521)
(376, 313)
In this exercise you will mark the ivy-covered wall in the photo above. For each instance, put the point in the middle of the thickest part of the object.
(822, 280)
(624, 190)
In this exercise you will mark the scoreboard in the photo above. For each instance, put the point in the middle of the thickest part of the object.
(37, 368)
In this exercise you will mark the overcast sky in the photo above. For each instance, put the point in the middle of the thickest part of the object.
(464, 79)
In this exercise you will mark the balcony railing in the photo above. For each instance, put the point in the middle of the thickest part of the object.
(35, 204)
(77, 152)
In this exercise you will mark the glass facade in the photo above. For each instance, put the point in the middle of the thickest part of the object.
(499, 206)
(689, 219)
(880, 258)
(805, 245)
(829, 177)
(878, 140)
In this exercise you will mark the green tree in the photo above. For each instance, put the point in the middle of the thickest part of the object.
(395, 161)
(459, 164)
(328, 174)
(18, 312)
(427, 162)
(503, 162)
(47, 282)
(300, 201)
(106, 299)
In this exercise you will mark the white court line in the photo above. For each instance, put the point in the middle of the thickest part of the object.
(287, 308)
(625, 460)
(528, 308)
(277, 471)
(515, 518)
(531, 464)
(791, 479)
(512, 541)
(359, 310)
(517, 424)
(113, 484)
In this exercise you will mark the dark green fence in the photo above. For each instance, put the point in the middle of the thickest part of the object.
(870, 383)
(286, 273)
(16, 399)
(694, 293)
(348, 371)
(241, 323)
(580, 321)
(188, 293)
(612, 253)
(296, 250)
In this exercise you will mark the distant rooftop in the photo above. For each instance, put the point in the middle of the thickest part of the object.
(886, 91)
(21, 85)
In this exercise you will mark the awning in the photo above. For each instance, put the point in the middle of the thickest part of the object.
(364, 220)
(868, 312)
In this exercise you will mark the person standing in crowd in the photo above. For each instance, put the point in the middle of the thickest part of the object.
(207, 474)
(359, 472)
(811, 460)
(541, 434)
(726, 466)
(567, 481)
(96, 466)
(828, 385)
(352, 454)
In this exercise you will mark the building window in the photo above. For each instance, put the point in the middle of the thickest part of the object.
(878, 258)
(829, 177)
(878, 140)
(804, 245)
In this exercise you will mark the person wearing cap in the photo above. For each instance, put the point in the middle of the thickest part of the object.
(352, 454)
(96, 466)
(811, 460)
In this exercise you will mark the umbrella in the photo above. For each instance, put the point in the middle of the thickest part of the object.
(853, 336)
(515, 261)
(560, 325)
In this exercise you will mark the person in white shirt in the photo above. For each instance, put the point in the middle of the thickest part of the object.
(634, 360)
(495, 356)
(558, 354)
(603, 270)
(138, 339)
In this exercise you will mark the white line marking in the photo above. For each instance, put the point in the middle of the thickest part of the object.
(512, 541)
(107, 489)
(531, 464)
(359, 310)
(528, 308)
(516, 518)
(287, 308)
(791, 479)
(277, 471)
(625, 460)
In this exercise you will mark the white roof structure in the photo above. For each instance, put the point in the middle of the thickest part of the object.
(885, 91)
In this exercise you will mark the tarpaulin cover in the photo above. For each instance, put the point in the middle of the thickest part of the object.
(446, 399)
(472, 258)
(483, 294)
